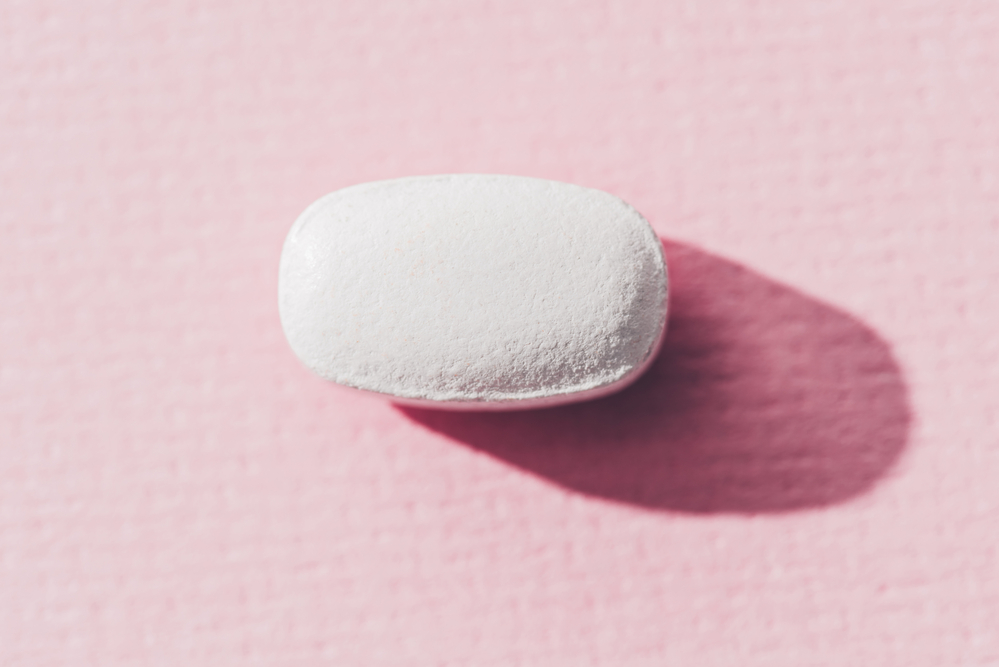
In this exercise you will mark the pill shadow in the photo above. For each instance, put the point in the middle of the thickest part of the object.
(762, 400)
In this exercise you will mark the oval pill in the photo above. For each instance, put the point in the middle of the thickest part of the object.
(474, 291)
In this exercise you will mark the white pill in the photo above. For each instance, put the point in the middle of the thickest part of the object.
(474, 291)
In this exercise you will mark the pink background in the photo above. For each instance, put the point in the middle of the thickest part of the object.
(808, 476)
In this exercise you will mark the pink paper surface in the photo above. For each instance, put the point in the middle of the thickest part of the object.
(807, 476)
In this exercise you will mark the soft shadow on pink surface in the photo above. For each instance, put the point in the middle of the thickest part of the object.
(762, 400)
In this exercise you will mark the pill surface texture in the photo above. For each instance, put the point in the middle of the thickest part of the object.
(474, 291)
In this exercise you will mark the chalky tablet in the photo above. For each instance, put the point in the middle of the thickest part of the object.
(476, 292)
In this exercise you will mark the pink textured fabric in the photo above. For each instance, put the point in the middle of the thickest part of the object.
(806, 477)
